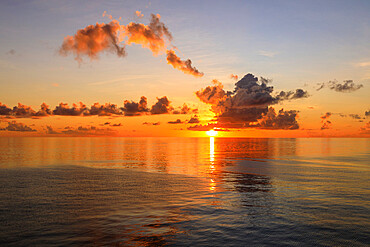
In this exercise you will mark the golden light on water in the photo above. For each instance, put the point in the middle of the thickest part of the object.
(212, 150)
(212, 184)
(211, 133)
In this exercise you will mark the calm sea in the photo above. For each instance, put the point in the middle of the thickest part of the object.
(184, 192)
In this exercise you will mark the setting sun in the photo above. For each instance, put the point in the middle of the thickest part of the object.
(211, 133)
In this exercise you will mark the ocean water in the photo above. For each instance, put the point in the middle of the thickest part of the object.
(184, 192)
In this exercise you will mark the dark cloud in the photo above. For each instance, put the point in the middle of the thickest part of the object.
(346, 87)
(194, 120)
(76, 110)
(107, 109)
(155, 124)
(249, 102)
(355, 116)
(44, 111)
(177, 121)
(88, 131)
(14, 126)
(11, 52)
(132, 108)
(161, 107)
(4, 110)
(282, 120)
(367, 113)
(326, 115)
(326, 124)
(23, 111)
(116, 125)
(289, 95)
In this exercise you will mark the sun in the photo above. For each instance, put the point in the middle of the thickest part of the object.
(211, 133)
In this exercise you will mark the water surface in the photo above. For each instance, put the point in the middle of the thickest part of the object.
(184, 191)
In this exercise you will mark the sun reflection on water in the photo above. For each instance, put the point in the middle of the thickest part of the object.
(212, 183)
(212, 150)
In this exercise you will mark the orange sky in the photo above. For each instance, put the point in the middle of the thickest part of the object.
(190, 82)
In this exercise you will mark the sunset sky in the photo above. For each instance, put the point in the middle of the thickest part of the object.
(249, 60)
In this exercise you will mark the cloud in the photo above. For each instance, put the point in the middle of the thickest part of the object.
(51, 131)
(155, 124)
(267, 53)
(116, 125)
(107, 109)
(98, 38)
(282, 120)
(152, 36)
(235, 77)
(161, 107)
(367, 113)
(88, 131)
(355, 116)
(184, 66)
(249, 103)
(132, 108)
(212, 94)
(14, 126)
(194, 120)
(177, 121)
(345, 87)
(44, 111)
(326, 115)
(363, 64)
(326, 124)
(93, 40)
(365, 129)
(289, 95)
(11, 52)
(185, 109)
(206, 127)
(76, 110)
(23, 111)
(105, 14)
(4, 110)
(139, 14)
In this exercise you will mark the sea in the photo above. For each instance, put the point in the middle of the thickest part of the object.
(112, 191)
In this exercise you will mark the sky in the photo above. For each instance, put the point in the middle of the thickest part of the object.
(256, 68)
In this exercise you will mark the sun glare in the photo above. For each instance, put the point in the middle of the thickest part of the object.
(211, 133)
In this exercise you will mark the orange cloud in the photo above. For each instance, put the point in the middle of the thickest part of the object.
(152, 36)
(139, 14)
(93, 40)
(98, 38)
(235, 77)
(184, 66)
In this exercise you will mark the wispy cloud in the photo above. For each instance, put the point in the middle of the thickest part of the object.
(363, 64)
(268, 53)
